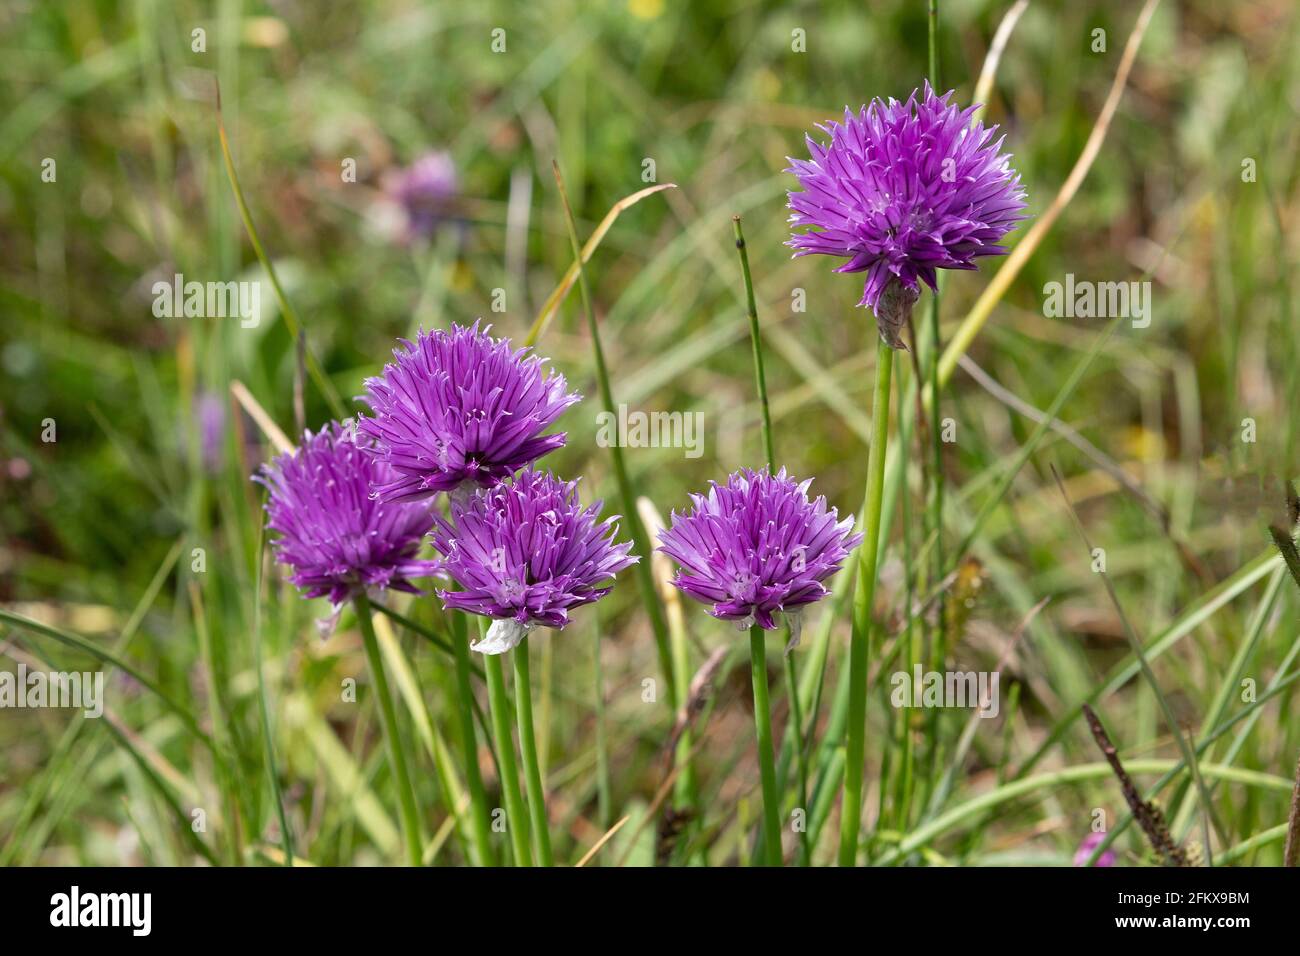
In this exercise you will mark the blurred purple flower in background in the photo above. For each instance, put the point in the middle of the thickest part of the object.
(904, 189)
(210, 417)
(756, 546)
(1090, 843)
(461, 406)
(424, 192)
(332, 533)
(525, 553)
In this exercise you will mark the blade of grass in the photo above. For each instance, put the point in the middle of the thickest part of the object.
(1002, 279)
(769, 452)
(1136, 645)
(327, 389)
(640, 545)
(863, 599)
(263, 705)
(392, 734)
(69, 639)
(976, 805)
(553, 301)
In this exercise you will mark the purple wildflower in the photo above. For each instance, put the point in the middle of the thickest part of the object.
(424, 192)
(335, 537)
(757, 545)
(210, 415)
(461, 406)
(904, 189)
(526, 552)
(1090, 843)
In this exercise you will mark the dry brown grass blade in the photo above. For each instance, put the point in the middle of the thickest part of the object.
(696, 696)
(984, 85)
(1001, 282)
(608, 835)
(258, 414)
(662, 566)
(593, 241)
(662, 794)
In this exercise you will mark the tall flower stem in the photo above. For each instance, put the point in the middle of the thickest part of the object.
(499, 705)
(396, 756)
(934, 504)
(763, 729)
(528, 748)
(769, 450)
(480, 824)
(756, 343)
(863, 598)
(631, 517)
(604, 800)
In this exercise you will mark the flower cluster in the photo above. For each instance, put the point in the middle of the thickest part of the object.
(756, 546)
(458, 412)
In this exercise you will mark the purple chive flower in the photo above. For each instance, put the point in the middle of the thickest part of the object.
(756, 546)
(904, 189)
(335, 537)
(423, 191)
(210, 415)
(461, 406)
(527, 552)
(1090, 843)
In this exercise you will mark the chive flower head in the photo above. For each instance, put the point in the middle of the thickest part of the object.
(756, 546)
(902, 190)
(336, 538)
(526, 553)
(460, 406)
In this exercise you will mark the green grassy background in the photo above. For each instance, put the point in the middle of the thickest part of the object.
(99, 526)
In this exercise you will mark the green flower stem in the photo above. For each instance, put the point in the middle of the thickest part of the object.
(499, 705)
(405, 792)
(604, 799)
(863, 597)
(801, 761)
(760, 379)
(480, 823)
(263, 708)
(528, 747)
(291, 320)
(763, 730)
(769, 450)
(934, 504)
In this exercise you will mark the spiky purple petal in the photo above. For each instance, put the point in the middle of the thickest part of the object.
(904, 189)
(332, 533)
(461, 406)
(757, 546)
(528, 551)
